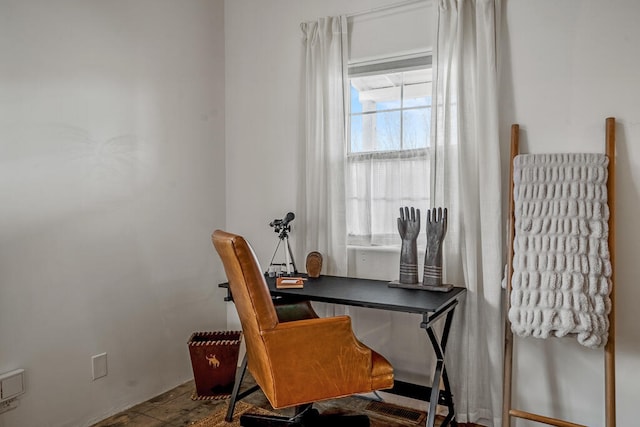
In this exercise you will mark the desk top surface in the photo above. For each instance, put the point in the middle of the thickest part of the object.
(369, 293)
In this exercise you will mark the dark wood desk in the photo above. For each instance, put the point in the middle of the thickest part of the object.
(433, 306)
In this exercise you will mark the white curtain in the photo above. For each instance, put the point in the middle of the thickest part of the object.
(467, 181)
(378, 184)
(324, 230)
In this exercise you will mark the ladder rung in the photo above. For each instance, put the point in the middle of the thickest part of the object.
(542, 419)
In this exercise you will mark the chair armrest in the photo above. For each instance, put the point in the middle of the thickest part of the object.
(315, 359)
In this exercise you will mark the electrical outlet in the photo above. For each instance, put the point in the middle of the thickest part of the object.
(99, 365)
(8, 405)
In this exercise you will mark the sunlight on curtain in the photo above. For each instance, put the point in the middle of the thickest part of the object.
(325, 42)
(467, 181)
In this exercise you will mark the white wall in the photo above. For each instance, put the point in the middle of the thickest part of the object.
(111, 181)
(568, 66)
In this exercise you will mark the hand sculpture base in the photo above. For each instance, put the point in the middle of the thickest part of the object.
(445, 287)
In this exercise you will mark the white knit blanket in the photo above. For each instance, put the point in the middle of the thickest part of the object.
(561, 265)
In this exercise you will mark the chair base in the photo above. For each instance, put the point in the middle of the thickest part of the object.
(309, 418)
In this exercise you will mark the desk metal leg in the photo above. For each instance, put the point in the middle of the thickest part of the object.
(443, 397)
(235, 395)
(236, 389)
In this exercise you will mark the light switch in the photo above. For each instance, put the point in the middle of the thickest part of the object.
(11, 384)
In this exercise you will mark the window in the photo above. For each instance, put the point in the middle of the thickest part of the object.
(388, 147)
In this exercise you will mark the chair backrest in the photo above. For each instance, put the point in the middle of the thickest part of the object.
(252, 300)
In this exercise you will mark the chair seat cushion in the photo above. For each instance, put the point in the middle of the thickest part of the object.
(294, 310)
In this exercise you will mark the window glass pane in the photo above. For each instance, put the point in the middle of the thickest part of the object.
(417, 95)
(417, 102)
(387, 131)
(423, 75)
(381, 99)
(356, 134)
(417, 88)
(356, 106)
(377, 93)
(416, 128)
(389, 105)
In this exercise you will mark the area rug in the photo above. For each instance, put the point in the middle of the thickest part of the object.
(217, 418)
(381, 414)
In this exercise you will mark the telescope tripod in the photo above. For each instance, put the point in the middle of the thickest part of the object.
(288, 254)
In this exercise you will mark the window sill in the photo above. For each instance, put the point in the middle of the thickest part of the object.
(380, 248)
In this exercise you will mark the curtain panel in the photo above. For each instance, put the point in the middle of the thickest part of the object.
(467, 181)
(378, 184)
(325, 43)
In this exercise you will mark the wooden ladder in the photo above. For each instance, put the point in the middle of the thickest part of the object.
(609, 351)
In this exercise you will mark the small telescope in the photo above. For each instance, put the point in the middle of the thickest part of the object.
(283, 226)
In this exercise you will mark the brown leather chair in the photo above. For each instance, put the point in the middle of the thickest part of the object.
(297, 362)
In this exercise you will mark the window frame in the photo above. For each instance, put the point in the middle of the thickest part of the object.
(422, 60)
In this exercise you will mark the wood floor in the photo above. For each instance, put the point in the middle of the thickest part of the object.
(175, 408)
